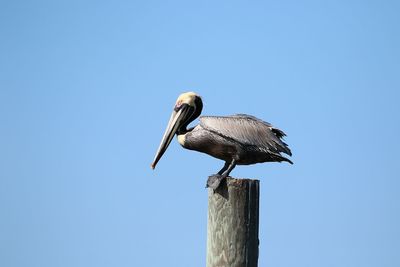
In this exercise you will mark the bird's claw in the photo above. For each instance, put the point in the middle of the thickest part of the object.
(214, 181)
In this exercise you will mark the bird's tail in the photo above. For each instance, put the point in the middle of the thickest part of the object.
(280, 158)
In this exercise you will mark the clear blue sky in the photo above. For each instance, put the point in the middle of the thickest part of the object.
(86, 90)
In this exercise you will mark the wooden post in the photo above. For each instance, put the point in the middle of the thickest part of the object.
(232, 230)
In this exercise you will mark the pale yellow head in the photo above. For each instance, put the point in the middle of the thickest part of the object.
(188, 107)
(186, 98)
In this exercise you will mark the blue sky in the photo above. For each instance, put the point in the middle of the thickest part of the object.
(86, 90)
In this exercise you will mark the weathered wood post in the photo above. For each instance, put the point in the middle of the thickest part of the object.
(232, 230)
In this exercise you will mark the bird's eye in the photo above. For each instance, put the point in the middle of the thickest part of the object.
(178, 105)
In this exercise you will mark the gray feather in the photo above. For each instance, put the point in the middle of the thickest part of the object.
(247, 130)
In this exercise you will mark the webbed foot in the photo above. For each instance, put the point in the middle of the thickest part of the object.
(214, 181)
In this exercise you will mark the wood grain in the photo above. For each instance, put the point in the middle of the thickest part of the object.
(232, 230)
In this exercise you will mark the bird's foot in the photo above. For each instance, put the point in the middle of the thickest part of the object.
(214, 181)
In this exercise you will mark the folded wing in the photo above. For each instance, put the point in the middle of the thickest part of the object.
(247, 130)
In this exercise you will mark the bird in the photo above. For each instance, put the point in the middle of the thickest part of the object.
(238, 139)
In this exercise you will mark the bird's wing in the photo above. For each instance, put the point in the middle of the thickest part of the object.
(247, 130)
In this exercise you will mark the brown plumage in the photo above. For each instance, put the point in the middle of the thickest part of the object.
(238, 139)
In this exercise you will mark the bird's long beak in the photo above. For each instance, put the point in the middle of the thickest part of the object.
(178, 118)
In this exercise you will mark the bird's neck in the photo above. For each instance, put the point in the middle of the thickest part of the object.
(183, 130)
(198, 107)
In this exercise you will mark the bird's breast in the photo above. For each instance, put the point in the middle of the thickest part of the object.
(181, 139)
(202, 140)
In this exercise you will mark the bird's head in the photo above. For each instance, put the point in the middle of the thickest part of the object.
(188, 107)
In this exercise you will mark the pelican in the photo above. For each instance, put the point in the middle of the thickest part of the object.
(237, 139)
